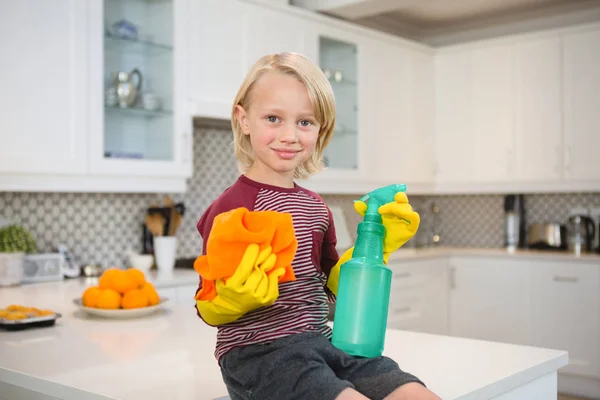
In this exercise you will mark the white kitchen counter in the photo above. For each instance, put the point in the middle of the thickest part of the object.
(441, 252)
(170, 354)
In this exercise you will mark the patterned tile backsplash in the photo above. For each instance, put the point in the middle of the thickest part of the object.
(100, 227)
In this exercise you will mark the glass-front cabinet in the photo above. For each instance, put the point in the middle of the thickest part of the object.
(338, 60)
(139, 118)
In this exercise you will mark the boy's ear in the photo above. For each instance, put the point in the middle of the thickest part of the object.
(242, 118)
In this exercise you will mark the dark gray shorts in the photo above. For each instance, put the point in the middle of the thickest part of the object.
(306, 366)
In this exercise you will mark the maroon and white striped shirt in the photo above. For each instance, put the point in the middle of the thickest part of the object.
(302, 304)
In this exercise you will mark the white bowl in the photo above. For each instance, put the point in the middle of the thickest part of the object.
(142, 262)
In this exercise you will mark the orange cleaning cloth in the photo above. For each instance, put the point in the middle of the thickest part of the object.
(231, 234)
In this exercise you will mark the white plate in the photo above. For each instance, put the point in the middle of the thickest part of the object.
(121, 313)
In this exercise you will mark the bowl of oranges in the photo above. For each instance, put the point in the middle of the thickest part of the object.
(121, 294)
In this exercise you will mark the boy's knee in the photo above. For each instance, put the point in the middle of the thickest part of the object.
(412, 391)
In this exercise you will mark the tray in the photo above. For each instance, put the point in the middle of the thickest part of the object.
(31, 321)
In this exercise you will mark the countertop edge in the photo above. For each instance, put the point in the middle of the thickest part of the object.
(514, 381)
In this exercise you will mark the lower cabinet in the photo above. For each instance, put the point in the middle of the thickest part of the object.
(418, 297)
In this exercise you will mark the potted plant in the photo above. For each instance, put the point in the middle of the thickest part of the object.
(15, 242)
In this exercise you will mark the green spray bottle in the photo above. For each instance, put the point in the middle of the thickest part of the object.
(363, 296)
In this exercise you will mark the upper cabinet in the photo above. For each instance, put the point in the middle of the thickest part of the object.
(105, 107)
(581, 66)
(44, 79)
(216, 71)
(538, 110)
(138, 118)
(519, 113)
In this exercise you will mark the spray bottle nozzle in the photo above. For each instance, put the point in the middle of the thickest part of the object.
(379, 197)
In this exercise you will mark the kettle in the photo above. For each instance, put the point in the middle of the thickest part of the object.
(581, 231)
(126, 90)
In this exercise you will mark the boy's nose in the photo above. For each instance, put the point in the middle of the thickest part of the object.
(289, 134)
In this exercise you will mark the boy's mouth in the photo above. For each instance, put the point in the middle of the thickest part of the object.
(286, 154)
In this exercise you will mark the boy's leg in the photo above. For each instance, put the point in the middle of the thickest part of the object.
(412, 391)
(378, 378)
(291, 368)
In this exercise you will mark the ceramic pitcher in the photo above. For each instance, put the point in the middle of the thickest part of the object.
(127, 91)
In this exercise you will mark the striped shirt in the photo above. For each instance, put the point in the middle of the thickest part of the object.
(302, 304)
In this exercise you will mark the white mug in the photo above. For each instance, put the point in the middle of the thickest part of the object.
(165, 248)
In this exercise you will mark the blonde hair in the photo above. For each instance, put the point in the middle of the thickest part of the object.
(319, 92)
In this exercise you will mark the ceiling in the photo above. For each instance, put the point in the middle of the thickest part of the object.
(439, 22)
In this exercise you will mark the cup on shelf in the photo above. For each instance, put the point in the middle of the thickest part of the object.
(165, 249)
(150, 101)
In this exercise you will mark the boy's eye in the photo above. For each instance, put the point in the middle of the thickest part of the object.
(272, 119)
(305, 123)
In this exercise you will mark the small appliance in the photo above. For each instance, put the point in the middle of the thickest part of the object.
(514, 221)
(581, 232)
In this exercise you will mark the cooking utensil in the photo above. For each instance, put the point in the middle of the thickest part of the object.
(155, 224)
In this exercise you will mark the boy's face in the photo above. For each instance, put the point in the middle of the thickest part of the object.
(281, 123)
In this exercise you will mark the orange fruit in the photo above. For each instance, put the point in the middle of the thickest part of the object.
(108, 277)
(109, 299)
(137, 276)
(90, 296)
(151, 294)
(135, 298)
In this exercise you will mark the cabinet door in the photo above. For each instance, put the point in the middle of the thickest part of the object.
(419, 296)
(581, 66)
(538, 110)
(44, 96)
(401, 113)
(217, 54)
(492, 113)
(566, 315)
(273, 31)
(490, 300)
(452, 140)
(139, 137)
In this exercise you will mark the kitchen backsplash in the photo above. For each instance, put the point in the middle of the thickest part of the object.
(100, 227)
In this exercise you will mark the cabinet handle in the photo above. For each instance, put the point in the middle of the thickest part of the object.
(570, 279)
(568, 159)
(402, 275)
(401, 310)
(452, 278)
(185, 145)
(558, 161)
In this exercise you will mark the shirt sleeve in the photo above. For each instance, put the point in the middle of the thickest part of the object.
(329, 254)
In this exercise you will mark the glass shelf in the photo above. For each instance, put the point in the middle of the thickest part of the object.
(138, 112)
(117, 44)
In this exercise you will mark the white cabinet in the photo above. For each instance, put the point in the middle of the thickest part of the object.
(581, 86)
(538, 110)
(62, 132)
(490, 299)
(474, 114)
(139, 140)
(452, 140)
(216, 69)
(566, 316)
(400, 93)
(419, 296)
(491, 113)
(44, 80)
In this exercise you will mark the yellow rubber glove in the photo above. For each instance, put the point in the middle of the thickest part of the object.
(400, 221)
(247, 289)
(334, 275)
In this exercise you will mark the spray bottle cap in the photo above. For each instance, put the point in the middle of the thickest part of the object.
(379, 197)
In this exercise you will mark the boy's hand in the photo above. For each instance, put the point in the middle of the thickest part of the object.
(247, 289)
(400, 221)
